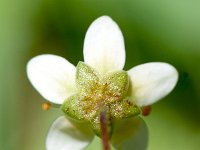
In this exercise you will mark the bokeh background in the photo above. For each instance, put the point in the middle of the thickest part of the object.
(154, 30)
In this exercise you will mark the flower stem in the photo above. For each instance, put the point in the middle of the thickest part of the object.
(104, 130)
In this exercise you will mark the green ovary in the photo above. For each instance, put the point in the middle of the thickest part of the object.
(96, 93)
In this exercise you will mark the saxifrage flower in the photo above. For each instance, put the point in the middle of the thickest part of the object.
(95, 84)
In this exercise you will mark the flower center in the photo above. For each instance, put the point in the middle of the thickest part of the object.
(96, 93)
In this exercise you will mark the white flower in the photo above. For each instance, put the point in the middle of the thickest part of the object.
(55, 79)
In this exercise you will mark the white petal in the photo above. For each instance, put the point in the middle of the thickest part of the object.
(104, 46)
(63, 135)
(151, 81)
(52, 76)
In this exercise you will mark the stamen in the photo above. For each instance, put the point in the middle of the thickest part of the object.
(104, 129)
(146, 110)
(46, 106)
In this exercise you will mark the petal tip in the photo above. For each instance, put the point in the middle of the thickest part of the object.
(104, 18)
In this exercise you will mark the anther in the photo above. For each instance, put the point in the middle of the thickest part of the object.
(146, 110)
(46, 106)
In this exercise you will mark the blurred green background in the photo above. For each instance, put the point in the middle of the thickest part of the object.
(154, 30)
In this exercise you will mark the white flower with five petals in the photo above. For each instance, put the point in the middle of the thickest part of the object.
(56, 80)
